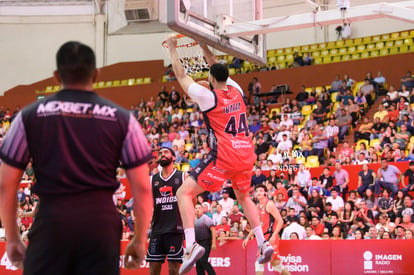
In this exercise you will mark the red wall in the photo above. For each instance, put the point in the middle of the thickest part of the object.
(393, 68)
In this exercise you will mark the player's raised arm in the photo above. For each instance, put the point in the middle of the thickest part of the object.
(184, 80)
(210, 57)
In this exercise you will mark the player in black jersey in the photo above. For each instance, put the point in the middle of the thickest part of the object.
(167, 232)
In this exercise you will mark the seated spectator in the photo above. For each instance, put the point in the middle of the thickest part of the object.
(337, 233)
(366, 179)
(302, 96)
(410, 174)
(346, 151)
(308, 60)
(306, 145)
(408, 80)
(364, 131)
(402, 137)
(342, 180)
(347, 216)
(235, 216)
(406, 209)
(380, 80)
(385, 223)
(280, 189)
(354, 110)
(326, 181)
(285, 146)
(393, 113)
(399, 232)
(258, 178)
(386, 204)
(315, 185)
(406, 222)
(303, 180)
(296, 116)
(287, 122)
(297, 201)
(319, 143)
(361, 100)
(223, 226)
(294, 227)
(325, 100)
(319, 113)
(388, 177)
(311, 123)
(336, 201)
(344, 121)
(382, 114)
(378, 128)
(334, 221)
(315, 203)
(336, 84)
(367, 89)
(310, 234)
(298, 60)
(218, 214)
(409, 234)
(361, 226)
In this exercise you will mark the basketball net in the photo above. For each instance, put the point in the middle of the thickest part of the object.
(190, 54)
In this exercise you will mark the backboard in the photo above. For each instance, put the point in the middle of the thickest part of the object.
(205, 21)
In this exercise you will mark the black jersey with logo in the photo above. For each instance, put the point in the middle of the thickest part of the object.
(75, 139)
(166, 217)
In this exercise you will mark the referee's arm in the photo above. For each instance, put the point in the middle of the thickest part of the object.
(213, 237)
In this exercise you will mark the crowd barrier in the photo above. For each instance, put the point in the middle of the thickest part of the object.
(324, 257)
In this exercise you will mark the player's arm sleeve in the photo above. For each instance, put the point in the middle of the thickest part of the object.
(231, 82)
(202, 96)
(14, 149)
(135, 149)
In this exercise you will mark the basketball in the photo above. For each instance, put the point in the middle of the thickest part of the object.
(204, 83)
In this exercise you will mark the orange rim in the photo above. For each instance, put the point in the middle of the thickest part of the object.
(180, 36)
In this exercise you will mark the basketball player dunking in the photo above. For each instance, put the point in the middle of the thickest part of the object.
(166, 239)
(271, 222)
(232, 153)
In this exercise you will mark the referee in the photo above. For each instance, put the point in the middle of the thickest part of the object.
(205, 235)
(75, 139)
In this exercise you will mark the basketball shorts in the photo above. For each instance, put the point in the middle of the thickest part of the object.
(165, 245)
(212, 178)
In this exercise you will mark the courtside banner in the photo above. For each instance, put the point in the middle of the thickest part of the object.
(372, 257)
(347, 257)
(299, 257)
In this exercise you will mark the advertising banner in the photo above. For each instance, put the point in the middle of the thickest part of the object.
(372, 257)
(346, 257)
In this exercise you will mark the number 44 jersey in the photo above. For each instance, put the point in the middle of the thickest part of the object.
(229, 131)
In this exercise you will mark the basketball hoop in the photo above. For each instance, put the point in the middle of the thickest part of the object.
(190, 54)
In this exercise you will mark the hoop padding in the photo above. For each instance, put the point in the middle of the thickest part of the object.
(190, 54)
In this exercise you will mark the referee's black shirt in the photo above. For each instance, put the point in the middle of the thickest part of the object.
(75, 140)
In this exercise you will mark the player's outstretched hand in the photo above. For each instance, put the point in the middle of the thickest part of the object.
(134, 254)
(172, 41)
(16, 251)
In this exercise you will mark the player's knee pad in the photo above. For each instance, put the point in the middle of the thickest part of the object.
(258, 267)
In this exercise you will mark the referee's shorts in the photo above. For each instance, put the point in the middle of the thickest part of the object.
(75, 234)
